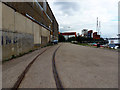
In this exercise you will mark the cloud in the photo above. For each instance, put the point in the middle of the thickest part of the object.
(80, 14)
(67, 8)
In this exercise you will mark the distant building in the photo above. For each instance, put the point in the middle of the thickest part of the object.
(84, 32)
(95, 36)
(89, 35)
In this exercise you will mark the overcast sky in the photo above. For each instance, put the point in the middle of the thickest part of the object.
(75, 15)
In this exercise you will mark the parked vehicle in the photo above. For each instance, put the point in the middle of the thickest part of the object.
(94, 44)
(55, 41)
(104, 45)
(101, 46)
(75, 42)
(116, 47)
(112, 45)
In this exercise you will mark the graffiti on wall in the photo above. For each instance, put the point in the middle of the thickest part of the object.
(8, 39)
(14, 43)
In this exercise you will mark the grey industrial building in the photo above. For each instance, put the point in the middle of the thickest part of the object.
(25, 26)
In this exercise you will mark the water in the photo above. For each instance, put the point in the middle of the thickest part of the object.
(114, 41)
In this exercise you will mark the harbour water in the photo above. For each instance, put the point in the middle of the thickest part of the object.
(114, 41)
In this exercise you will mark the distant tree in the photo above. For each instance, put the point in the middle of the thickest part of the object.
(61, 38)
(90, 40)
(71, 39)
(82, 39)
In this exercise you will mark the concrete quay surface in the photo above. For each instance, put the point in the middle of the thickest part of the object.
(87, 67)
(40, 74)
(77, 66)
(11, 70)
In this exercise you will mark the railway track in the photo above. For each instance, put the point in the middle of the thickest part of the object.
(21, 77)
(55, 73)
(56, 76)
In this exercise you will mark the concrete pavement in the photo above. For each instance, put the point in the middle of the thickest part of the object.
(40, 74)
(77, 66)
(12, 69)
(87, 67)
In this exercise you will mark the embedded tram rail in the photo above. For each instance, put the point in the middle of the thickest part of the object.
(55, 73)
(21, 77)
(61, 66)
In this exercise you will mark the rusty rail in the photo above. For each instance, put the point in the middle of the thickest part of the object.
(21, 77)
(55, 73)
